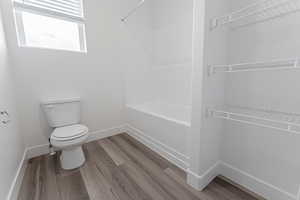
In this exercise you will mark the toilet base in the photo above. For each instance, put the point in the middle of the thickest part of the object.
(72, 158)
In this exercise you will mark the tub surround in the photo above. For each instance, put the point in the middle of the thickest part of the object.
(162, 126)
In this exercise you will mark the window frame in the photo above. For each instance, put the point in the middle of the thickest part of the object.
(80, 21)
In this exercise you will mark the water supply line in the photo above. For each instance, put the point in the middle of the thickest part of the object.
(51, 149)
(132, 11)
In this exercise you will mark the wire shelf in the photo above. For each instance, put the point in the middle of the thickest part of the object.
(255, 66)
(262, 11)
(264, 118)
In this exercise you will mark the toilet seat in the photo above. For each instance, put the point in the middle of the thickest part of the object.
(69, 139)
(68, 133)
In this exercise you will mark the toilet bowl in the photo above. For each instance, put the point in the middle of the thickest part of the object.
(68, 135)
(69, 139)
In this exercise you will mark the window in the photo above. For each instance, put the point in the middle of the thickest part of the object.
(53, 24)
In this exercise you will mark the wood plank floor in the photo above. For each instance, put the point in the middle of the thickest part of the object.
(118, 168)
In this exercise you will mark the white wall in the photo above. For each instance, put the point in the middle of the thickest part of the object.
(209, 48)
(260, 158)
(193, 140)
(161, 73)
(11, 142)
(171, 68)
(164, 34)
(138, 27)
(213, 92)
(96, 77)
(269, 155)
(172, 32)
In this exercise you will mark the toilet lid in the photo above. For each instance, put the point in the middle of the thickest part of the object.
(69, 132)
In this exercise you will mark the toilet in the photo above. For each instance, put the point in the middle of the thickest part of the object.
(68, 134)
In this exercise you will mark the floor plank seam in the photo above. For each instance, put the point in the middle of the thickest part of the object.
(118, 168)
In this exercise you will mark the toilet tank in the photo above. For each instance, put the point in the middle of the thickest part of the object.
(62, 112)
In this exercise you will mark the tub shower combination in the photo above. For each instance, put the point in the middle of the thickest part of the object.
(164, 127)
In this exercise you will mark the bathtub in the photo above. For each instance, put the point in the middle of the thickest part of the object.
(162, 127)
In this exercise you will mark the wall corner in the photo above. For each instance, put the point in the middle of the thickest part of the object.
(199, 182)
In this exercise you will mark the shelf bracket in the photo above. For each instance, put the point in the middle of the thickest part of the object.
(296, 65)
(5, 117)
(228, 19)
(209, 113)
(289, 127)
(213, 23)
(210, 70)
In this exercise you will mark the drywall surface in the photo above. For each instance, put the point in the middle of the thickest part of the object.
(11, 142)
(213, 92)
(95, 76)
(204, 138)
(269, 155)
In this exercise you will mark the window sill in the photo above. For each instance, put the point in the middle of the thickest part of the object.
(52, 49)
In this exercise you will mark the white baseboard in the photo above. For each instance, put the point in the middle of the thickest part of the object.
(242, 178)
(165, 151)
(17, 182)
(254, 184)
(298, 196)
(200, 182)
(37, 150)
(98, 135)
(43, 149)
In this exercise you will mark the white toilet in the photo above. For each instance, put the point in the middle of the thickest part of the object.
(68, 134)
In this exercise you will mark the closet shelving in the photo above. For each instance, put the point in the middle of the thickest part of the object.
(255, 66)
(263, 118)
(261, 11)
(258, 12)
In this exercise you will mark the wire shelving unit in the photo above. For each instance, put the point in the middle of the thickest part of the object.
(255, 13)
(255, 66)
(288, 122)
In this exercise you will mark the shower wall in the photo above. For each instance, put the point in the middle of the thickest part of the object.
(158, 79)
(138, 30)
(172, 51)
(162, 30)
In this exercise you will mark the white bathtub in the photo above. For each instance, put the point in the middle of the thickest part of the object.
(163, 127)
